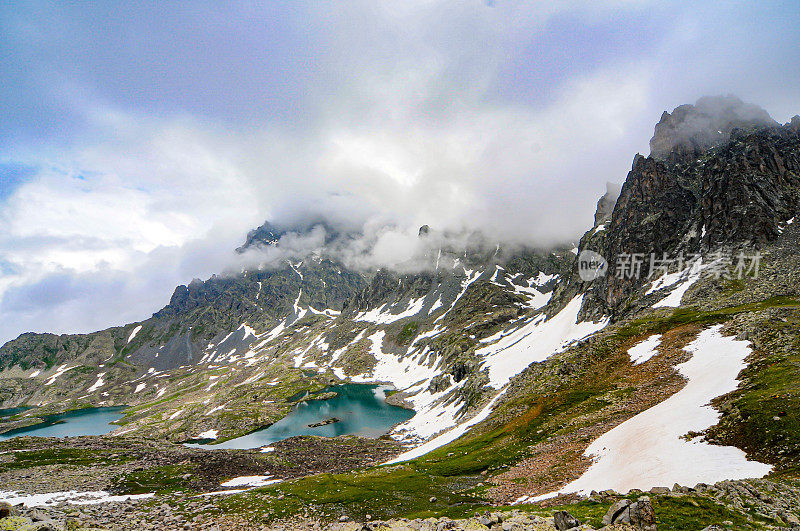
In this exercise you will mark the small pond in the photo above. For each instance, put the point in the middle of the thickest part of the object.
(361, 409)
(89, 421)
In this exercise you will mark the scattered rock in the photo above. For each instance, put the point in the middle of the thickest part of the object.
(6, 509)
(324, 422)
(639, 514)
(563, 520)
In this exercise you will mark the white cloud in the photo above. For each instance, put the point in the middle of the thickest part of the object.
(381, 116)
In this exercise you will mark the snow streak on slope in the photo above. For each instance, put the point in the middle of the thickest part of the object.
(382, 316)
(647, 450)
(643, 351)
(509, 356)
(133, 333)
(690, 276)
(536, 341)
(447, 437)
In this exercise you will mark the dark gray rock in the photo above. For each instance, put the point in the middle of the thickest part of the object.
(563, 520)
(692, 129)
(639, 514)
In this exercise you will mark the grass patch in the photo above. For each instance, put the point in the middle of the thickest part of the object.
(690, 315)
(60, 456)
(383, 493)
(160, 479)
(407, 333)
(696, 512)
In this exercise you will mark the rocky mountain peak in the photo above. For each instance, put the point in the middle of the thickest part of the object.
(692, 129)
(266, 234)
(605, 205)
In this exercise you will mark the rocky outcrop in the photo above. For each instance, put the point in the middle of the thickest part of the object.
(605, 205)
(692, 129)
(563, 521)
(733, 192)
(639, 514)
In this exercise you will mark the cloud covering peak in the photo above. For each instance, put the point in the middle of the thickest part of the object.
(139, 143)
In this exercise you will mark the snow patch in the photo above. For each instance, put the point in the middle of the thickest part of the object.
(691, 274)
(72, 496)
(250, 481)
(536, 341)
(61, 370)
(643, 351)
(378, 316)
(134, 332)
(98, 384)
(208, 434)
(648, 450)
(446, 437)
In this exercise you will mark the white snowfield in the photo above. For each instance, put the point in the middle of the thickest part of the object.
(250, 481)
(133, 333)
(536, 341)
(643, 351)
(208, 434)
(74, 497)
(507, 357)
(648, 450)
(688, 276)
(448, 436)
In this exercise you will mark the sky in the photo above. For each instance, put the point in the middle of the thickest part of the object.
(140, 141)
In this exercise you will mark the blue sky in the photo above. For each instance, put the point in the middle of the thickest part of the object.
(140, 141)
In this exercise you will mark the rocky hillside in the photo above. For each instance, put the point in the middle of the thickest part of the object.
(672, 368)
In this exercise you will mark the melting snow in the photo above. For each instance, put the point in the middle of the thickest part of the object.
(250, 481)
(74, 497)
(535, 341)
(446, 437)
(648, 450)
(61, 370)
(645, 350)
(98, 384)
(674, 298)
(133, 334)
(208, 434)
(385, 317)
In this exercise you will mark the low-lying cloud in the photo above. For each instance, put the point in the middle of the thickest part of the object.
(138, 148)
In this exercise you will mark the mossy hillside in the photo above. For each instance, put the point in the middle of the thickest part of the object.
(23, 459)
(329, 497)
(592, 375)
(162, 479)
(381, 492)
(762, 416)
(672, 512)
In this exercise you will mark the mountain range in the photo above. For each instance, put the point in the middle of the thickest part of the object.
(671, 368)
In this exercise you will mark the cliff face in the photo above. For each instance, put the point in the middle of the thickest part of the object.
(692, 129)
(726, 178)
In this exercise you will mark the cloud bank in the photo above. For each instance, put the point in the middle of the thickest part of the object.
(139, 145)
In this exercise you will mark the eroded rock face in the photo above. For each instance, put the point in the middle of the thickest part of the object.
(692, 129)
(735, 194)
(639, 514)
(605, 205)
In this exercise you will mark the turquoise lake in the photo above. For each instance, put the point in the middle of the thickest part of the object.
(362, 410)
(90, 421)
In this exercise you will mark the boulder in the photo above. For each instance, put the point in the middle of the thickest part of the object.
(638, 514)
(6, 509)
(563, 520)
